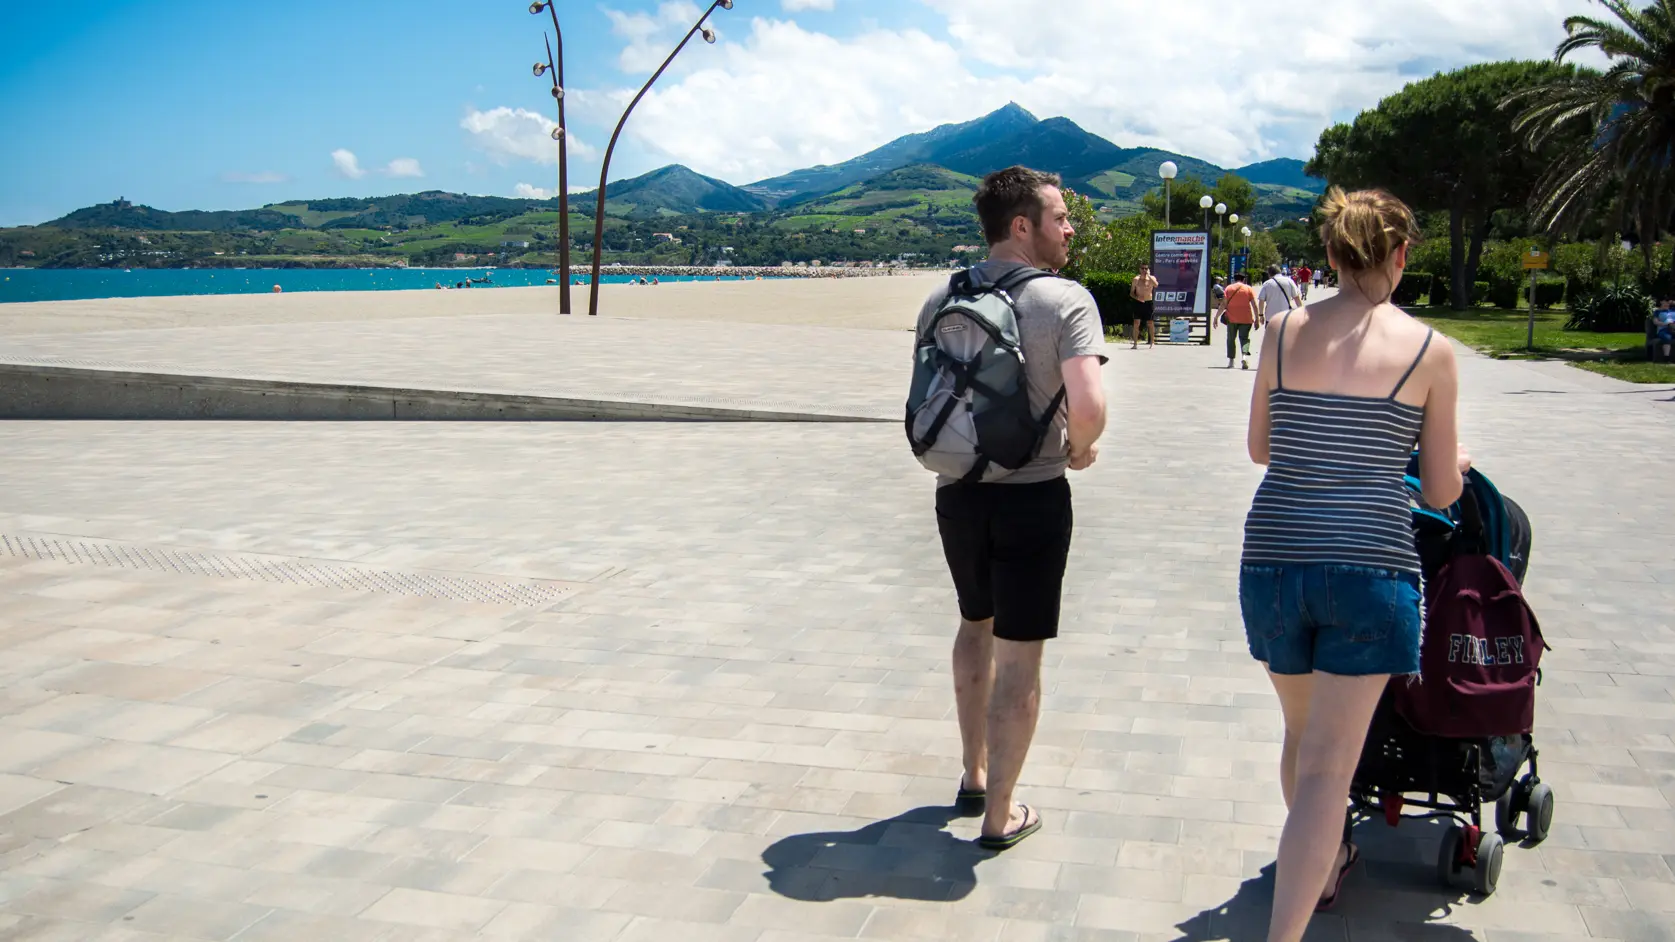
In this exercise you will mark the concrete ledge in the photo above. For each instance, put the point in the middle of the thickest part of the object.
(30, 391)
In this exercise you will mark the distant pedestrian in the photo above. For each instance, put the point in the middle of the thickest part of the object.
(1142, 290)
(1277, 295)
(1663, 321)
(1302, 275)
(1239, 314)
(1006, 539)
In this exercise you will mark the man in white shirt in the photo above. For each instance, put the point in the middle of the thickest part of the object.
(1278, 294)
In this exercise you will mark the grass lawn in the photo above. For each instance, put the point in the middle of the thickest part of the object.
(1502, 334)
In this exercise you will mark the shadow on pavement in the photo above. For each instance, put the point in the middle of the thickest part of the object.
(1392, 893)
(909, 856)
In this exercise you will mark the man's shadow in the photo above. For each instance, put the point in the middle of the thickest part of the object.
(909, 856)
(1394, 886)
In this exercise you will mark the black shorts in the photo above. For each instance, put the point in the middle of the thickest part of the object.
(1147, 311)
(1006, 546)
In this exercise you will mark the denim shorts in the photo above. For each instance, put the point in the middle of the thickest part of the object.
(1347, 620)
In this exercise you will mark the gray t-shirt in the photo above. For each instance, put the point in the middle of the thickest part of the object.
(1057, 320)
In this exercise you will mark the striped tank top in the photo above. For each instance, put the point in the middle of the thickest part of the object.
(1334, 492)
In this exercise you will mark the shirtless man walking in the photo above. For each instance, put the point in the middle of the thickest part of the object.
(1141, 290)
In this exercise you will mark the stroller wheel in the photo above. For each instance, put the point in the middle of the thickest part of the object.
(1448, 857)
(1488, 871)
(1540, 820)
(1506, 811)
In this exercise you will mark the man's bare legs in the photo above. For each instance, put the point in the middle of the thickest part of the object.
(974, 675)
(997, 695)
(1336, 712)
(1014, 708)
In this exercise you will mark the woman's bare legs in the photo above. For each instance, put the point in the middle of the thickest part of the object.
(1336, 712)
(1295, 691)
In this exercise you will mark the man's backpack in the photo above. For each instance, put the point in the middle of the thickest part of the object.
(968, 411)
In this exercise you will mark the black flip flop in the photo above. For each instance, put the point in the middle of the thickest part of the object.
(1337, 888)
(1010, 840)
(970, 802)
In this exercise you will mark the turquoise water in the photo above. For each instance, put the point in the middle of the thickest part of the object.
(70, 284)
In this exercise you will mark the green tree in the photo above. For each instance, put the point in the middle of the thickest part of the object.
(1236, 192)
(1298, 242)
(1615, 132)
(1184, 194)
(1263, 252)
(1446, 144)
(1122, 245)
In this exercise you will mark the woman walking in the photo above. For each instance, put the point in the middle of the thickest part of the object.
(1329, 582)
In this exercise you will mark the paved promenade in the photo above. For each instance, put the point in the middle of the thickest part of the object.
(590, 681)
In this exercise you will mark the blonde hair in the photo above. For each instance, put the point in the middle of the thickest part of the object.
(1363, 229)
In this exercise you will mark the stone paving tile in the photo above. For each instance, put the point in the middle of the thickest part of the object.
(741, 728)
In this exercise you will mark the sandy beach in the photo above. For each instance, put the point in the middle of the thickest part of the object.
(868, 303)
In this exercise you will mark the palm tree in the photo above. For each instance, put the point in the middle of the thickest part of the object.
(1626, 160)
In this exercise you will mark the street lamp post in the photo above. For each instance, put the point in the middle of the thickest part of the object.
(1167, 171)
(605, 166)
(556, 66)
(1221, 213)
(1204, 203)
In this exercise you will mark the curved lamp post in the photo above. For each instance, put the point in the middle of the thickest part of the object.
(605, 167)
(556, 67)
(1167, 171)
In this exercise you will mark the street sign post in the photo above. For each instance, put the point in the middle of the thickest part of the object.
(1535, 260)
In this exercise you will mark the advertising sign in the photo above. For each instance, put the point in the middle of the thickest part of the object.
(1181, 264)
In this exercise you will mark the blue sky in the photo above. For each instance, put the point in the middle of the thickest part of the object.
(192, 104)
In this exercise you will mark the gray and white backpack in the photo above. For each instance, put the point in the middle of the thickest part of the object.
(968, 412)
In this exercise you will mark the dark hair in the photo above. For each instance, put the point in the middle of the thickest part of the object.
(1243, 276)
(1007, 194)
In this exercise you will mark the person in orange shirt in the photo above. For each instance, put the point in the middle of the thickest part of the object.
(1238, 312)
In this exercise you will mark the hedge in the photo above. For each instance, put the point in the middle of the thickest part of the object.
(1439, 291)
(1411, 289)
(1549, 292)
(1110, 292)
(1503, 293)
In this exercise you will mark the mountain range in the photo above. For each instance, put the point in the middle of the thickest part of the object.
(942, 166)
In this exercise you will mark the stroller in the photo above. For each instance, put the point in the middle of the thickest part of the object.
(1458, 737)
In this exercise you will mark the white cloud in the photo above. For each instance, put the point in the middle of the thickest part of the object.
(651, 35)
(263, 176)
(348, 166)
(792, 6)
(528, 192)
(1230, 83)
(403, 167)
(506, 134)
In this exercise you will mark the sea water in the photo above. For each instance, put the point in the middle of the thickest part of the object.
(70, 284)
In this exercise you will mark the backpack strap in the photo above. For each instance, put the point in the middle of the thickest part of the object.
(974, 280)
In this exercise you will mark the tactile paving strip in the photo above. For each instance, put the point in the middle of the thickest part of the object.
(282, 570)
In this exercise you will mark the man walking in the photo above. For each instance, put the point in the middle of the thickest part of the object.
(1239, 309)
(1006, 541)
(1141, 289)
(1278, 295)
